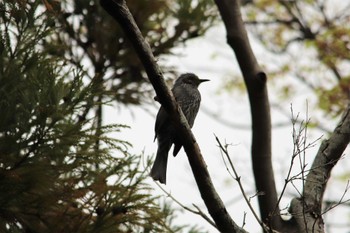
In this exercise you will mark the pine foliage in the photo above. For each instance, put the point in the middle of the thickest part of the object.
(53, 177)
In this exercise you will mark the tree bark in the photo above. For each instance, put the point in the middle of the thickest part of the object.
(119, 10)
(255, 80)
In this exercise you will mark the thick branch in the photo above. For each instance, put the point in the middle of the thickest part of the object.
(216, 208)
(255, 80)
(308, 211)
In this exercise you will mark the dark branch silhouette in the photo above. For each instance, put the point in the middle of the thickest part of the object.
(306, 211)
(120, 12)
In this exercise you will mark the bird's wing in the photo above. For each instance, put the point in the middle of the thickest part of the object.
(161, 121)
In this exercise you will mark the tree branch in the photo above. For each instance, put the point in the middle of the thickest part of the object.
(255, 80)
(310, 207)
(198, 212)
(236, 177)
(119, 10)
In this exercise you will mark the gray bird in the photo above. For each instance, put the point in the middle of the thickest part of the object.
(185, 91)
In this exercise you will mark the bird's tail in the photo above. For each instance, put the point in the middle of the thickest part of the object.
(158, 171)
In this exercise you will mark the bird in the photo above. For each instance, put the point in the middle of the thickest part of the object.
(186, 93)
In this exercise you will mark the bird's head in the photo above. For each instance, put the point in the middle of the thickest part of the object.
(189, 79)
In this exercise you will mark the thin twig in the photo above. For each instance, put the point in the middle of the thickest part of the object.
(244, 218)
(302, 160)
(198, 212)
(223, 149)
(340, 202)
(298, 141)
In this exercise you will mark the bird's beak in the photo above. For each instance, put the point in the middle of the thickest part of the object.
(203, 80)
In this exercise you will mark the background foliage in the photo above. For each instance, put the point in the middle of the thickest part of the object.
(306, 44)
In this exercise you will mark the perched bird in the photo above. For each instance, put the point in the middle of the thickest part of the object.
(185, 91)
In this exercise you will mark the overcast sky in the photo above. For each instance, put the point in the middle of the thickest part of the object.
(210, 58)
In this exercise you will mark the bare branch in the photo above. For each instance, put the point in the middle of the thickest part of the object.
(341, 200)
(299, 150)
(328, 155)
(237, 178)
(198, 212)
(119, 10)
(281, 110)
